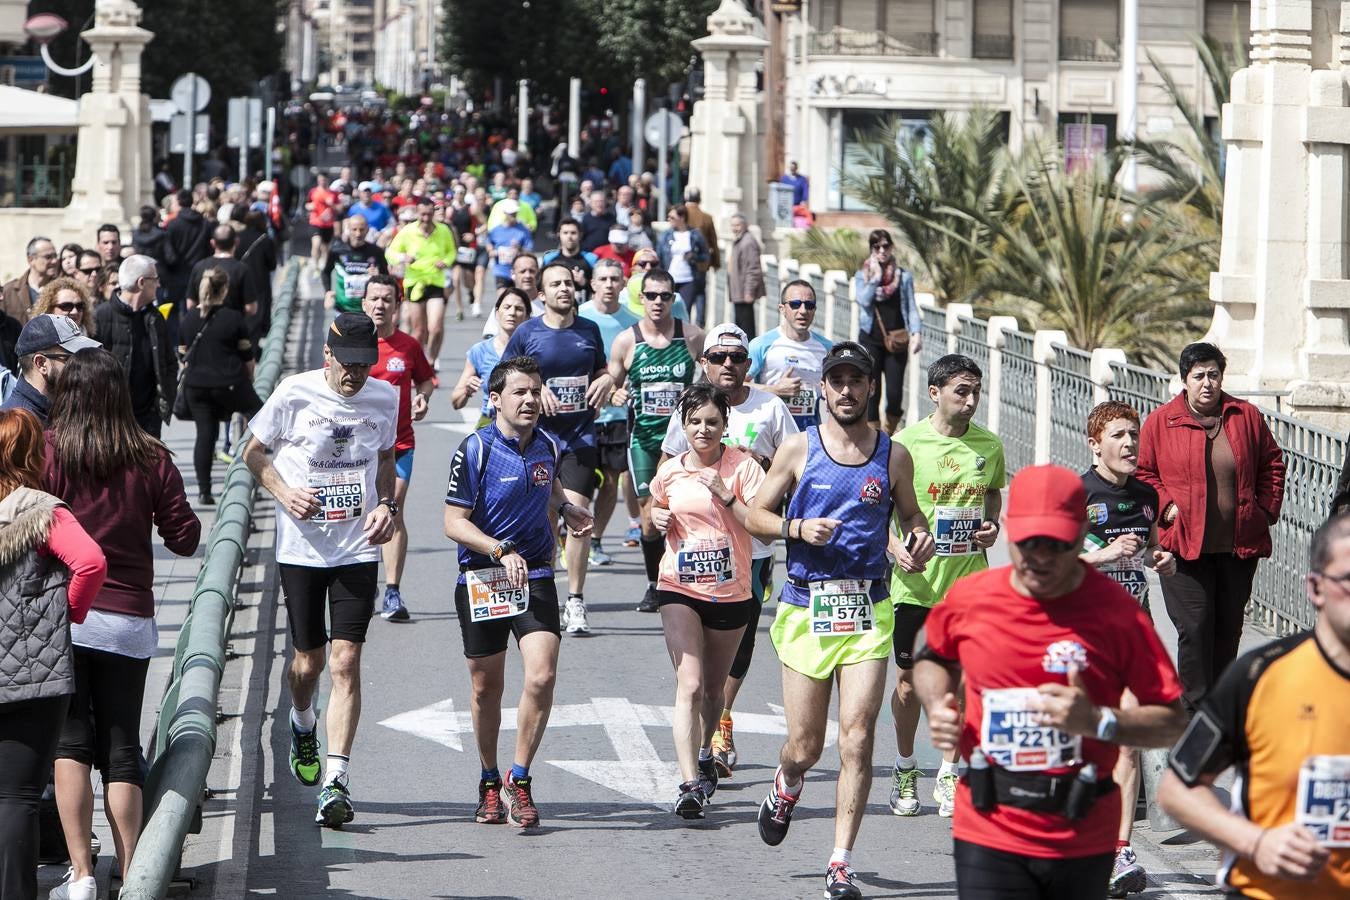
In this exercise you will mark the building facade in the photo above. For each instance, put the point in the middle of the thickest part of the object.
(1051, 66)
(406, 37)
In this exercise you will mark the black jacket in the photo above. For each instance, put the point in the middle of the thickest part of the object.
(187, 240)
(139, 340)
(151, 242)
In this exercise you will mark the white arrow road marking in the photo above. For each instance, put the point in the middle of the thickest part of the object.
(437, 722)
(639, 773)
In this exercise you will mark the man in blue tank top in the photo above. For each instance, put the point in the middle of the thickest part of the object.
(845, 478)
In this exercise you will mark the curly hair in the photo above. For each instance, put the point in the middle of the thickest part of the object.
(46, 301)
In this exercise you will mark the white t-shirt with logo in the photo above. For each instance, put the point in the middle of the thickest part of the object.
(773, 353)
(681, 272)
(324, 440)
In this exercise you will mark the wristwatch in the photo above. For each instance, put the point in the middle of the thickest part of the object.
(391, 503)
(502, 549)
(1107, 725)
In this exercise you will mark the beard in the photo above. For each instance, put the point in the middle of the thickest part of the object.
(846, 419)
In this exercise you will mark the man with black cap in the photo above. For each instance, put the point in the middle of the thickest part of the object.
(331, 432)
(44, 345)
(844, 480)
(1043, 649)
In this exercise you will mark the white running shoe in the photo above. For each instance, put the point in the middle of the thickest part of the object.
(576, 616)
(944, 792)
(75, 888)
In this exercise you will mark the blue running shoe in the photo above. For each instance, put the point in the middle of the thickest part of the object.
(393, 609)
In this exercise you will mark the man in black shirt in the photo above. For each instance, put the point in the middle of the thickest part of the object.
(243, 295)
(570, 254)
(349, 265)
(130, 328)
(597, 221)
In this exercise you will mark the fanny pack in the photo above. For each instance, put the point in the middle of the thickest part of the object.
(1062, 795)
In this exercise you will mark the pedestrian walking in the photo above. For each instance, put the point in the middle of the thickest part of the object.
(888, 324)
(44, 347)
(745, 275)
(69, 298)
(130, 327)
(19, 295)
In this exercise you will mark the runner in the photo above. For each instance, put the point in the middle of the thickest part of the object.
(571, 356)
(524, 275)
(506, 240)
(760, 423)
(504, 525)
(403, 365)
(705, 592)
(611, 427)
(349, 267)
(656, 356)
(786, 360)
(645, 261)
(322, 218)
(1122, 541)
(1280, 716)
(332, 432)
(425, 250)
(513, 307)
(958, 476)
(581, 262)
(1041, 650)
(832, 621)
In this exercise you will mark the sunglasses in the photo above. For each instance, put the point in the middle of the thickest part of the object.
(94, 271)
(1051, 545)
(56, 357)
(645, 265)
(658, 295)
(736, 357)
(798, 304)
(68, 307)
(882, 246)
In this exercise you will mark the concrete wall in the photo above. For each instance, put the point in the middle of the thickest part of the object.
(19, 226)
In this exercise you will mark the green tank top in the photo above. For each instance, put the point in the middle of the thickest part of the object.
(657, 377)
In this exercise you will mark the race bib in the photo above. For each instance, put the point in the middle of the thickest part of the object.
(658, 398)
(506, 255)
(466, 255)
(491, 596)
(570, 391)
(704, 562)
(356, 285)
(842, 606)
(341, 494)
(954, 529)
(1129, 574)
(803, 403)
(1012, 739)
(1324, 799)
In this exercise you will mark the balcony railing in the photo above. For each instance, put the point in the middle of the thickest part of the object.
(1090, 49)
(847, 42)
(993, 46)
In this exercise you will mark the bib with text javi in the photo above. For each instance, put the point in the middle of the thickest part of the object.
(954, 529)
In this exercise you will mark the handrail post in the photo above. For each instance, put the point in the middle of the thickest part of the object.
(1043, 354)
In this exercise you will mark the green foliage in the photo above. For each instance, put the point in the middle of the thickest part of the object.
(912, 181)
(839, 248)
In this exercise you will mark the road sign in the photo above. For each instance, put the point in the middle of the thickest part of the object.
(190, 93)
(245, 118)
(780, 204)
(178, 133)
(657, 135)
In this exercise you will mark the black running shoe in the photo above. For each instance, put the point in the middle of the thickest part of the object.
(775, 815)
(490, 808)
(707, 776)
(649, 603)
(690, 803)
(839, 883)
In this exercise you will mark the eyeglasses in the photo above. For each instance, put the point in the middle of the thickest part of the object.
(1033, 544)
(658, 295)
(93, 271)
(736, 357)
(798, 304)
(1342, 580)
(68, 307)
(55, 357)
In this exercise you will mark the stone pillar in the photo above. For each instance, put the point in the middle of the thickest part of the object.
(113, 166)
(1282, 292)
(724, 146)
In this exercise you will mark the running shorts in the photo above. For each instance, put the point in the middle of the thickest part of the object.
(346, 593)
(490, 638)
(578, 470)
(817, 657)
(642, 464)
(909, 618)
(719, 616)
(403, 464)
(611, 439)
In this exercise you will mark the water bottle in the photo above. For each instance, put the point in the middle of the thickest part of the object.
(1082, 793)
(980, 780)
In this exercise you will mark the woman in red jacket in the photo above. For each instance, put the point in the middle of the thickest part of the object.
(120, 483)
(1220, 479)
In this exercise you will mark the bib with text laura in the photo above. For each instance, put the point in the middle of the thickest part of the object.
(841, 606)
(1324, 799)
(704, 561)
(659, 397)
(1011, 738)
(491, 596)
(341, 494)
(570, 391)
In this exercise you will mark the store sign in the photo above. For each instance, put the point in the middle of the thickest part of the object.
(1083, 145)
(848, 86)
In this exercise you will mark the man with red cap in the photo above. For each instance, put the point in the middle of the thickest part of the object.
(1046, 646)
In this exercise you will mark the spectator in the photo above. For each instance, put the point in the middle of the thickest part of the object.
(888, 324)
(70, 259)
(10, 329)
(119, 483)
(528, 195)
(640, 236)
(801, 186)
(109, 243)
(186, 242)
(745, 277)
(1220, 479)
(597, 221)
(43, 266)
(89, 272)
(217, 352)
(620, 168)
(148, 239)
(683, 250)
(132, 330)
(40, 600)
(243, 294)
(44, 347)
(258, 253)
(623, 204)
(704, 223)
(70, 298)
(107, 282)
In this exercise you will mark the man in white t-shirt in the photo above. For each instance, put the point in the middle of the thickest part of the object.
(331, 434)
(787, 360)
(759, 422)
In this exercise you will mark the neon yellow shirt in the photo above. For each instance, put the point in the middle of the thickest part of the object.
(421, 252)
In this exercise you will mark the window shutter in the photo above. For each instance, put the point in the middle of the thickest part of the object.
(858, 15)
(1226, 18)
(993, 17)
(1090, 20)
(909, 17)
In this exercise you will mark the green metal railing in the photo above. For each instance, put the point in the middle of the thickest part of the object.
(973, 340)
(1071, 399)
(186, 735)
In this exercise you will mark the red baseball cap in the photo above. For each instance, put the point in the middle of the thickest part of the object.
(1046, 501)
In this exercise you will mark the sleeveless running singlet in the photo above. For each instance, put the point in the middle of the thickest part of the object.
(860, 497)
(657, 378)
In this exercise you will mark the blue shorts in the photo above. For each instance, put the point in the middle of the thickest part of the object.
(403, 462)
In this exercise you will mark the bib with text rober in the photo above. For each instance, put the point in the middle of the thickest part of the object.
(803, 403)
(841, 606)
(1324, 799)
(954, 529)
(1012, 739)
(341, 494)
(491, 596)
(704, 561)
(570, 391)
(659, 397)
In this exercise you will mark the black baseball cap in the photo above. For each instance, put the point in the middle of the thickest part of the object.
(848, 353)
(353, 341)
(47, 331)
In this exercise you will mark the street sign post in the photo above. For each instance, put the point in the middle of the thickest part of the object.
(191, 93)
(662, 130)
(244, 128)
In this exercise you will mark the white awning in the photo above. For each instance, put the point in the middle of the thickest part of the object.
(24, 110)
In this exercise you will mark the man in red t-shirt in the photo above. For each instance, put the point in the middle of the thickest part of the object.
(321, 219)
(403, 364)
(1046, 646)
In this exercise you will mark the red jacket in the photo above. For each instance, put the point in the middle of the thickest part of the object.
(1172, 460)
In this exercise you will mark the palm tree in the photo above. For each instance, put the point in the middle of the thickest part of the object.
(911, 178)
(840, 248)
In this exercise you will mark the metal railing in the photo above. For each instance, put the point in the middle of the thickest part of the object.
(847, 42)
(1071, 399)
(973, 340)
(992, 46)
(931, 348)
(1312, 458)
(185, 738)
(1144, 389)
(1017, 405)
(841, 321)
(1089, 49)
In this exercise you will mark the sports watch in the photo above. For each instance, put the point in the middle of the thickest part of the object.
(502, 549)
(1107, 724)
(391, 503)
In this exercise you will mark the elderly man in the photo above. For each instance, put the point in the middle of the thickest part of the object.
(18, 296)
(745, 278)
(130, 328)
